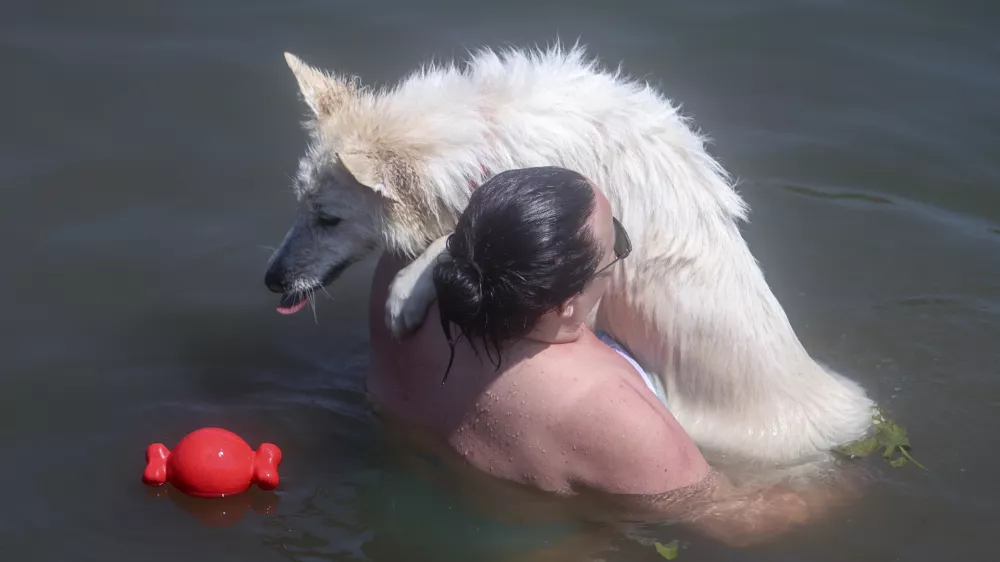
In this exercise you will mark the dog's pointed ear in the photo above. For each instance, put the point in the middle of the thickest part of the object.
(368, 171)
(323, 93)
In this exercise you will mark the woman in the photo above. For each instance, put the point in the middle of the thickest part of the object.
(505, 375)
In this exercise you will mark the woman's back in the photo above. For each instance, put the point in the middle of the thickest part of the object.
(562, 418)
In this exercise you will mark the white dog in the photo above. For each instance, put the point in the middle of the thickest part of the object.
(392, 169)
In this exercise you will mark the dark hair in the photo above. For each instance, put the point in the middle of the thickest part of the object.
(522, 247)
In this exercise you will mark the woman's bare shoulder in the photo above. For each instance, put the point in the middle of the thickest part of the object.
(619, 438)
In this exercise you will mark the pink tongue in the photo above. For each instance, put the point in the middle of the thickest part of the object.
(292, 309)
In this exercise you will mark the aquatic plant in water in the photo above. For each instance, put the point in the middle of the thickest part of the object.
(889, 437)
(668, 551)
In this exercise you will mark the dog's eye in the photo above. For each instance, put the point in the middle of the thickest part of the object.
(328, 221)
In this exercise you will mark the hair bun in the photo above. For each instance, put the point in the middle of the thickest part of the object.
(522, 246)
(460, 288)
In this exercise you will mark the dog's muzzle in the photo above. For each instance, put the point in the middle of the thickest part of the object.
(274, 278)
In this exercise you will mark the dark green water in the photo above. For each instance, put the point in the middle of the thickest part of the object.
(145, 162)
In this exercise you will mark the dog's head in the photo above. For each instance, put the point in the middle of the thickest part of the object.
(336, 224)
(354, 187)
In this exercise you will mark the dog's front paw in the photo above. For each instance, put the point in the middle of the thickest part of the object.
(412, 291)
(410, 294)
(406, 306)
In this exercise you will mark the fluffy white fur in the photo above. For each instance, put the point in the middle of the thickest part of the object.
(690, 303)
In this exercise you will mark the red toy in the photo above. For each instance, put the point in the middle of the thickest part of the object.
(212, 463)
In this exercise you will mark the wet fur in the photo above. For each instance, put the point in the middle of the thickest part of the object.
(690, 303)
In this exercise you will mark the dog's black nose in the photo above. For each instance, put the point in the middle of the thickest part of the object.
(273, 280)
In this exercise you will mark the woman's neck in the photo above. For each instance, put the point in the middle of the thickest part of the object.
(555, 331)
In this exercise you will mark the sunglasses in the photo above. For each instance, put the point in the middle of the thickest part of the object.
(623, 246)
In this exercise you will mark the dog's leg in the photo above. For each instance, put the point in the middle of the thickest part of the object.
(412, 291)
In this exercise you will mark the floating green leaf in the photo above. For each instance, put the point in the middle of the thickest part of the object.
(906, 454)
(668, 551)
(891, 434)
(890, 437)
(861, 448)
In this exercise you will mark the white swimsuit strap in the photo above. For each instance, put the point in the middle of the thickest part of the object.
(610, 342)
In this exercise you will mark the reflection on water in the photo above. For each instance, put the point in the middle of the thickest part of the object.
(220, 512)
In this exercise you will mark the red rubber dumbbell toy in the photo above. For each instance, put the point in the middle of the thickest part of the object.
(212, 463)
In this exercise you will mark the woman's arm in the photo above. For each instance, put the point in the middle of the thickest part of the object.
(638, 459)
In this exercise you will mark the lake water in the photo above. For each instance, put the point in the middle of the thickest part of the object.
(145, 166)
